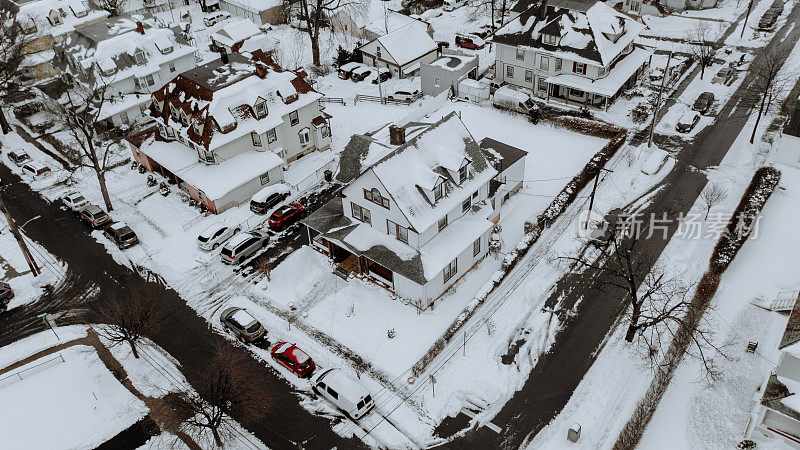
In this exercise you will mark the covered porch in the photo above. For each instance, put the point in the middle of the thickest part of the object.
(581, 92)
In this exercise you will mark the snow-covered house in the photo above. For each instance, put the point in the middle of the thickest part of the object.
(417, 211)
(683, 5)
(788, 151)
(226, 128)
(373, 21)
(261, 12)
(581, 53)
(777, 415)
(45, 23)
(130, 55)
(241, 35)
(446, 72)
(402, 51)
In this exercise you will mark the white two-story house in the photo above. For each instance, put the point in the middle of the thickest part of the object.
(227, 128)
(416, 217)
(581, 53)
(131, 56)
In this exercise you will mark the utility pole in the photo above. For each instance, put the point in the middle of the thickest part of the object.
(747, 16)
(24, 247)
(658, 101)
(591, 199)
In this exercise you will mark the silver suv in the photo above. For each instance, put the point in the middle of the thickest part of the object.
(95, 217)
(242, 325)
(243, 245)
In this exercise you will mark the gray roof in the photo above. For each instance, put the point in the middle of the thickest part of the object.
(508, 153)
(112, 26)
(774, 392)
(351, 157)
(792, 127)
(212, 75)
(330, 221)
(792, 333)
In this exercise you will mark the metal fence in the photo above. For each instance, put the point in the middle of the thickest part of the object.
(338, 100)
(32, 370)
(386, 101)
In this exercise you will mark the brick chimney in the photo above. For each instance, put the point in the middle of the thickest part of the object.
(140, 27)
(543, 10)
(223, 55)
(397, 135)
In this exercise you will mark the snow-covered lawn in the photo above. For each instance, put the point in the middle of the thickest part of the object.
(72, 404)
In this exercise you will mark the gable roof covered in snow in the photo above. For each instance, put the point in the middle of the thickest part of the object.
(220, 98)
(71, 14)
(595, 34)
(415, 168)
(241, 34)
(407, 43)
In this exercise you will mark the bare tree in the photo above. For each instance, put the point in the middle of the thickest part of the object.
(656, 303)
(13, 40)
(225, 386)
(80, 110)
(713, 195)
(768, 81)
(701, 47)
(317, 13)
(127, 316)
(114, 7)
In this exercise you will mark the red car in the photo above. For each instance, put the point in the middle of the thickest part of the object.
(465, 42)
(286, 215)
(290, 356)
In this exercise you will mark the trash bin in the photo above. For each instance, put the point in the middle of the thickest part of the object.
(328, 175)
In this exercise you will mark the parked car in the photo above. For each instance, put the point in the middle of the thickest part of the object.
(468, 43)
(215, 18)
(655, 162)
(776, 7)
(290, 356)
(343, 392)
(121, 234)
(215, 235)
(347, 69)
(767, 22)
(75, 201)
(703, 103)
(385, 74)
(724, 75)
(687, 122)
(242, 325)
(242, 245)
(36, 169)
(6, 294)
(93, 216)
(286, 215)
(403, 95)
(268, 198)
(360, 73)
(442, 45)
(18, 157)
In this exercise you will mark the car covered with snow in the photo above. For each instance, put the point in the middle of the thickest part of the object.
(345, 70)
(469, 43)
(703, 103)
(36, 169)
(215, 18)
(241, 324)
(407, 96)
(361, 73)
(514, 100)
(75, 201)
(286, 215)
(687, 122)
(655, 162)
(382, 75)
(290, 356)
(216, 234)
(121, 235)
(18, 157)
(724, 75)
(269, 197)
(343, 392)
(242, 245)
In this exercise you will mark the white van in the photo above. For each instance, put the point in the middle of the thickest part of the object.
(507, 98)
(343, 392)
(473, 90)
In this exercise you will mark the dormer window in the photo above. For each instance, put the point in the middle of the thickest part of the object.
(601, 71)
(79, 10)
(139, 57)
(438, 191)
(55, 18)
(261, 109)
(166, 50)
(463, 172)
(549, 39)
(287, 92)
(107, 67)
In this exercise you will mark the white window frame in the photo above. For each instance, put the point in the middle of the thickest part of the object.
(544, 63)
(559, 64)
(476, 247)
(442, 223)
(520, 54)
(529, 76)
(264, 178)
(304, 135)
(450, 270)
(294, 119)
(139, 58)
(466, 204)
(272, 135)
(256, 138)
(261, 109)
(509, 71)
(150, 80)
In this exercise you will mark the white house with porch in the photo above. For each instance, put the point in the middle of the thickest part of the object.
(575, 52)
(416, 213)
(402, 50)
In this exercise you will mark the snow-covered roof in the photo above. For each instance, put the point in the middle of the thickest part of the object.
(607, 86)
(217, 180)
(412, 171)
(123, 102)
(596, 35)
(255, 6)
(236, 30)
(221, 95)
(407, 43)
(73, 14)
(112, 45)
